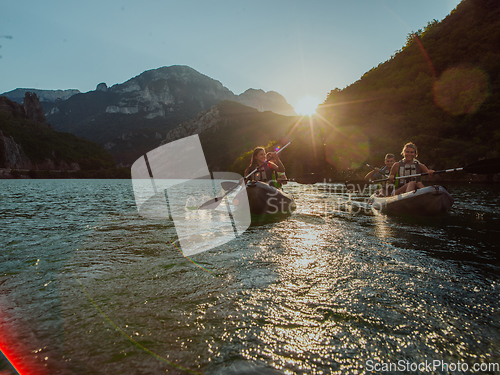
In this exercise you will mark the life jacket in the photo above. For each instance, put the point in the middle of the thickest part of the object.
(275, 182)
(264, 173)
(406, 169)
(383, 173)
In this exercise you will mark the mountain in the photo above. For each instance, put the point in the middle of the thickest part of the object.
(266, 101)
(441, 91)
(229, 130)
(52, 96)
(27, 142)
(131, 118)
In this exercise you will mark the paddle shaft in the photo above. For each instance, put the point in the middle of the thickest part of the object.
(422, 174)
(379, 171)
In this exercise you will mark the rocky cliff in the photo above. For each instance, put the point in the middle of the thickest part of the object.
(33, 109)
(12, 156)
(27, 142)
(131, 118)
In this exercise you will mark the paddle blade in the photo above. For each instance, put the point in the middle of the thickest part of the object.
(486, 166)
(211, 204)
(308, 179)
(229, 185)
(356, 186)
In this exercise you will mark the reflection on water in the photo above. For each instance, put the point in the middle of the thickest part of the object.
(88, 286)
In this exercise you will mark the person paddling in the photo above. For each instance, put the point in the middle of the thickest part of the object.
(378, 173)
(406, 167)
(382, 172)
(265, 167)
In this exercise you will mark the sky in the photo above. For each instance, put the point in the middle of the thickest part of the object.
(297, 48)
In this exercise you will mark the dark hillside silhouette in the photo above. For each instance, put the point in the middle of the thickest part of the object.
(441, 91)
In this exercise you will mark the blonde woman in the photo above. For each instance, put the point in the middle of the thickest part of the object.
(409, 165)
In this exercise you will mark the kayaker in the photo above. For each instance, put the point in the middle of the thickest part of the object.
(409, 165)
(385, 189)
(265, 167)
(382, 172)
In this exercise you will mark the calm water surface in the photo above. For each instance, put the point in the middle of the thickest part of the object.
(87, 286)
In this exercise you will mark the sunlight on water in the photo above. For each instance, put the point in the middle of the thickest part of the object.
(89, 284)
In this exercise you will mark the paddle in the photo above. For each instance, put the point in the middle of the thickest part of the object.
(305, 180)
(360, 185)
(486, 166)
(213, 203)
(368, 165)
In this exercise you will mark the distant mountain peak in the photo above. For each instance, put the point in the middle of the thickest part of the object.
(266, 101)
(18, 94)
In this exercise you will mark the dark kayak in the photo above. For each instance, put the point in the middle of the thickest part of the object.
(428, 201)
(265, 201)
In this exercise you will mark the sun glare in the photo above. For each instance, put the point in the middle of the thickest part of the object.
(307, 105)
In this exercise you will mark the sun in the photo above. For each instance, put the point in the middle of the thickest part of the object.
(307, 105)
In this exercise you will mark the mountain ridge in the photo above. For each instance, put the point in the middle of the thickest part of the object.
(131, 118)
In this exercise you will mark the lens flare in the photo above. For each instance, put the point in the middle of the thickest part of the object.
(461, 90)
(347, 148)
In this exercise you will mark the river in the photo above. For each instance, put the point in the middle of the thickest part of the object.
(87, 286)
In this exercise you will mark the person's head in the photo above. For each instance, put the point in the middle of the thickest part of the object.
(390, 159)
(258, 156)
(409, 151)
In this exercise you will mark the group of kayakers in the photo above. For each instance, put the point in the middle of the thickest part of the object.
(269, 168)
(408, 166)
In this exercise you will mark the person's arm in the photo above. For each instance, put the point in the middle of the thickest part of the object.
(375, 174)
(369, 176)
(424, 169)
(277, 166)
(394, 171)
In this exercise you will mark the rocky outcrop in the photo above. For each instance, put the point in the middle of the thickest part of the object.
(159, 92)
(102, 87)
(12, 156)
(13, 108)
(33, 109)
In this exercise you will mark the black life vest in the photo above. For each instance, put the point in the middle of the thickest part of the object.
(383, 173)
(264, 173)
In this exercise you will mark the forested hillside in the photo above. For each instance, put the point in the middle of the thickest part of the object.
(26, 144)
(441, 91)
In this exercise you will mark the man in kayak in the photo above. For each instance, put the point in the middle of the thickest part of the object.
(406, 167)
(265, 167)
(378, 173)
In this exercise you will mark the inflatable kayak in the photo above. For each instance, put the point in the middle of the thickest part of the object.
(266, 201)
(428, 201)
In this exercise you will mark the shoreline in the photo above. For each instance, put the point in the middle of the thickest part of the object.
(25, 174)
(125, 173)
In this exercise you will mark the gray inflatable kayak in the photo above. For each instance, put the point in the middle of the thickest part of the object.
(266, 200)
(428, 201)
